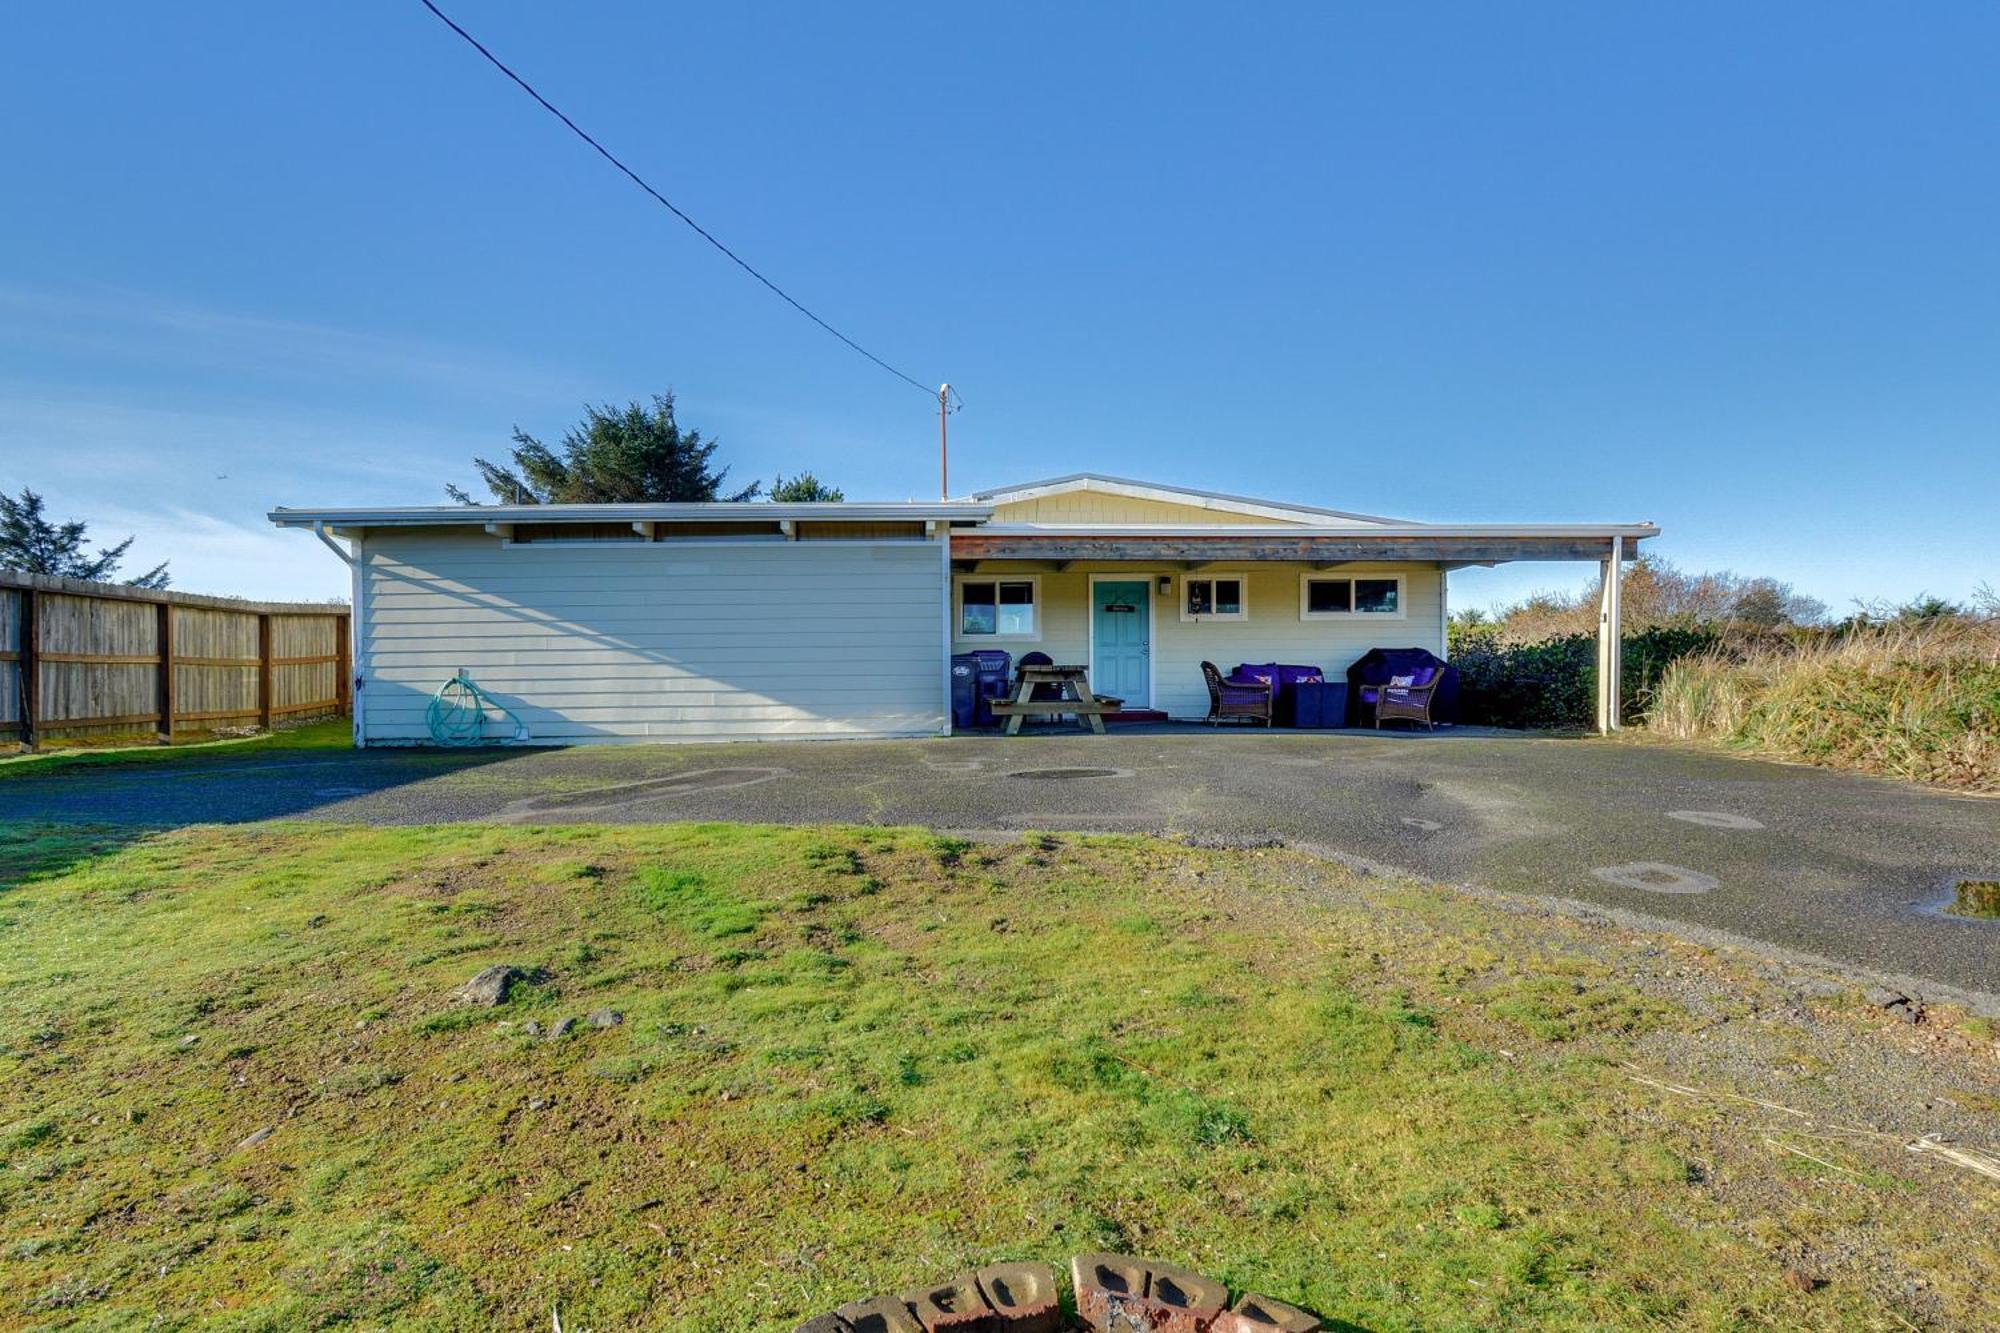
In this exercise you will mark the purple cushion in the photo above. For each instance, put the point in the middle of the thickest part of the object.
(1279, 674)
(1422, 675)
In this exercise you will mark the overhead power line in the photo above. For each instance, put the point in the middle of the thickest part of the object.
(665, 202)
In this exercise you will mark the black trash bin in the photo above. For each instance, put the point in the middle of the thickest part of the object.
(977, 679)
(995, 671)
(964, 690)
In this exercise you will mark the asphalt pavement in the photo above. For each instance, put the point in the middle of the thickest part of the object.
(1850, 868)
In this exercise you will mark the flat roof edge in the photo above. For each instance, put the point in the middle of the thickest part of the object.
(719, 511)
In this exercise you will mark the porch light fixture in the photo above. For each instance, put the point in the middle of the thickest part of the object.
(1166, 585)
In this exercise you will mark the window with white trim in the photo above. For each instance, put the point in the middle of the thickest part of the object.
(1216, 597)
(1327, 597)
(999, 608)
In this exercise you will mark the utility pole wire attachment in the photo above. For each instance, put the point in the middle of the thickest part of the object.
(665, 202)
(948, 403)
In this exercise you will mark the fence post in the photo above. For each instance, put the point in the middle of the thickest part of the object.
(264, 670)
(29, 664)
(163, 636)
(343, 666)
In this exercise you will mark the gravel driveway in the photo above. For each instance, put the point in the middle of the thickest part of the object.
(1850, 868)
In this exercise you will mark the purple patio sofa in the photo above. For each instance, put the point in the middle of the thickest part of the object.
(1284, 679)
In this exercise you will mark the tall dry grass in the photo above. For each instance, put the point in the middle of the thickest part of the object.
(1917, 700)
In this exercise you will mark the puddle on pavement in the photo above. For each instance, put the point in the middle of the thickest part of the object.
(1975, 900)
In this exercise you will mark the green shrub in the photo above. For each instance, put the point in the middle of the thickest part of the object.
(1551, 684)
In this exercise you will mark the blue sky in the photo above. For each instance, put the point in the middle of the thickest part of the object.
(1728, 267)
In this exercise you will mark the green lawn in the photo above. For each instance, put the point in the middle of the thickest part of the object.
(333, 734)
(854, 1061)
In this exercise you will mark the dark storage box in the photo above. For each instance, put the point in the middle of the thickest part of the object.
(1319, 703)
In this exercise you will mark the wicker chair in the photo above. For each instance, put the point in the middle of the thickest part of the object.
(1406, 703)
(1250, 699)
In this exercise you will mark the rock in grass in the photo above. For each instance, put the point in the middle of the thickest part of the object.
(605, 1018)
(490, 987)
(256, 1137)
(824, 1323)
(561, 1028)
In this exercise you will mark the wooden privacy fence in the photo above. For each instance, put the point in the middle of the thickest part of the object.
(82, 658)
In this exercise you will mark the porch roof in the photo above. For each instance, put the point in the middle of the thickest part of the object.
(1477, 543)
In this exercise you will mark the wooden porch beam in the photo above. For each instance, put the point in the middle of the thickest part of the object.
(1011, 564)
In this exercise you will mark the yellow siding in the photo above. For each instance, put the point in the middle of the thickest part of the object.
(1098, 507)
(1274, 632)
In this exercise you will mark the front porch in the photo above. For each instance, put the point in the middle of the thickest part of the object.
(1143, 610)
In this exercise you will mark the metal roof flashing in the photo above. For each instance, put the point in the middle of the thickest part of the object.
(721, 511)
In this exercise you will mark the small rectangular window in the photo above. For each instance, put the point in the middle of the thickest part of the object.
(1213, 599)
(1377, 597)
(1017, 608)
(1327, 598)
(978, 612)
(997, 608)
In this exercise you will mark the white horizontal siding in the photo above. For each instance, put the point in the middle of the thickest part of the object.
(645, 641)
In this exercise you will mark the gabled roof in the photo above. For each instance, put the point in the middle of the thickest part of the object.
(1182, 495)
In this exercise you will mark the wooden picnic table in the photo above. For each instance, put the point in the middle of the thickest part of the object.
(1073, 679)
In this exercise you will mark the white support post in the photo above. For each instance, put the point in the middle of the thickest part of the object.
(941, 534)
(1444, 611)
(357, 638)
(1611, 641)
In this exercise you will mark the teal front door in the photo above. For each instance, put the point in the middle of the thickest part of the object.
(1121, 640)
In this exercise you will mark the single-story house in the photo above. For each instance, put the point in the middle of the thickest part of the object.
(706, 622)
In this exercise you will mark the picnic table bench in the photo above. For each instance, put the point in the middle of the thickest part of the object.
(1075, 680)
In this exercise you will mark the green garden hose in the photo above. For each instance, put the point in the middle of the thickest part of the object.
(457, 713)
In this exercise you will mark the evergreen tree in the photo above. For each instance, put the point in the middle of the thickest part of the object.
(615, 455)
(804, 489)
(32, 542)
